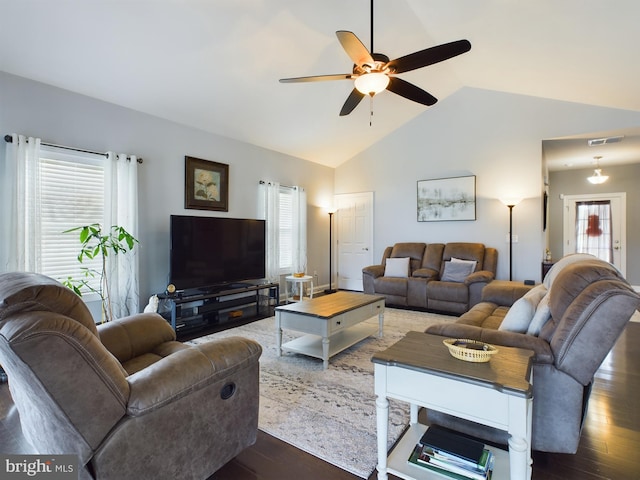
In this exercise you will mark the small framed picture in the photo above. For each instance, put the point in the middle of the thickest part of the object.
(206, 185)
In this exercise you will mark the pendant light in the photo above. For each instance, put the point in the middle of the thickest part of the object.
(597, 178)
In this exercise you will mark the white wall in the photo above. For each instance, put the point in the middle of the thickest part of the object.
(66, 118)
(495, 136)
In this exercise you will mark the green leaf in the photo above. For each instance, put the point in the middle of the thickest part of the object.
(84, 234)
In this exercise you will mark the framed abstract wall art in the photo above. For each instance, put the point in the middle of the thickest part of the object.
(447, 199)
(206, 185)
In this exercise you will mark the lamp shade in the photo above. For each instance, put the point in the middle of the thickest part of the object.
(371, 83)
(511, 201)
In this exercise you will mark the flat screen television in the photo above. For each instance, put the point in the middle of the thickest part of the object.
(210, 252)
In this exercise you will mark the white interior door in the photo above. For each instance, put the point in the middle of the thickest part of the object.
(618, 202)
(354, 238)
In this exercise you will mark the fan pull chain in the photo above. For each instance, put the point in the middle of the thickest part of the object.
(370, 110)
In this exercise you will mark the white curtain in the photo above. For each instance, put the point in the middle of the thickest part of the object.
(21, 225)
(121, 208)
(299, 229)
(271, 214)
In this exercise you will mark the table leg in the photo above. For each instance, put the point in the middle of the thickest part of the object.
(325, 352)
(382, 423)
(413, 413)
(301, 289)
(278, 334)
(286, 291)
(380, 324)
(520, 438)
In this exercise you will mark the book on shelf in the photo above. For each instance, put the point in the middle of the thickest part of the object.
(447, 441)
(424, 457)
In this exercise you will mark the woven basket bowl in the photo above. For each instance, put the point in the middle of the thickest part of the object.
(470, 354)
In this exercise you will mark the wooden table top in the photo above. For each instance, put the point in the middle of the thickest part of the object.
(331, 305)
(508, 370)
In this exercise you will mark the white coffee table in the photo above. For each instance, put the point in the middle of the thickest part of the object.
(332, 323)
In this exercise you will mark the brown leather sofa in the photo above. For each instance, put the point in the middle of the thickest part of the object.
(433, 281)
(125, 397)
(585, 307)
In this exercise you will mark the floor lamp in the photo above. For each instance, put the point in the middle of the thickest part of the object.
(510, 203)
(330, 290)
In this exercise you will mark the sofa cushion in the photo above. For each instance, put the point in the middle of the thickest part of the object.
(396, 267)
(457, 271)
(391, 286)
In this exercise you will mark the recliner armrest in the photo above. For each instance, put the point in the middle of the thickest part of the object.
(374, 271)
(541, 348)
(188, 370)
(131, 336)
(479, 276)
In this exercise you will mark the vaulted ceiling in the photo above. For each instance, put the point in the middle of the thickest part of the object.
(214, 65)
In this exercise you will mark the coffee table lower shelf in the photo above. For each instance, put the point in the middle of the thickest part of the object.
(399, 465)
(311, 345)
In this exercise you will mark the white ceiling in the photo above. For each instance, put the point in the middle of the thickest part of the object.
(215, 64)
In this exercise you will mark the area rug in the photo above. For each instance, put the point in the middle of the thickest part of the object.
(331, 413)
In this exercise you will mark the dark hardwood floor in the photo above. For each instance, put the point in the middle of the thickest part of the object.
(608, 449)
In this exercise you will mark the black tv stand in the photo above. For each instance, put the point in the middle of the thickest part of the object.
(214, 309)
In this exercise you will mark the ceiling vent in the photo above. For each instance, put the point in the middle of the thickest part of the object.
(594, 142)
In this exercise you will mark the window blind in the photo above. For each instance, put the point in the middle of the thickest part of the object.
(286, 229)
(71, 195)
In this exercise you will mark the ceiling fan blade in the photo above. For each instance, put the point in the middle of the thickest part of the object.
(317, 78)
(429, 56)
(352, 102)
(410, 91)
(354, 48)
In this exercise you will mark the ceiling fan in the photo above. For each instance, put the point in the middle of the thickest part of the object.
(374, 72)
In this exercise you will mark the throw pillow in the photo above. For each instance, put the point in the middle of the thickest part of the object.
(542, 316)
(456, 271)
(470, 262)
(519, 316)
(396, 267)
(536, 294)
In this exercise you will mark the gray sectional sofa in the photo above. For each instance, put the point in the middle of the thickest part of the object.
(571, 322)
(435, 276)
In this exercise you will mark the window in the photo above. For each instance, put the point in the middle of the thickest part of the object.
(285, 230)
(71, 194)
(285, 211)
(593, 229)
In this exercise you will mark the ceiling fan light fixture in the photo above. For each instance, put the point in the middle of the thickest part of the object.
(597, 178)
(372, 83)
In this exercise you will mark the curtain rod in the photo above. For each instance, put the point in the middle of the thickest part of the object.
(9, 139)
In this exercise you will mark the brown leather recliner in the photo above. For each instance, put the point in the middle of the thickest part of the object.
(589, 304)
(125, 397)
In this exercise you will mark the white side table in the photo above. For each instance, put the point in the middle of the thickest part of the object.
(298, 284)
(419, 370)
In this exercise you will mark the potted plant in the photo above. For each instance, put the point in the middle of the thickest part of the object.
(94, 243)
